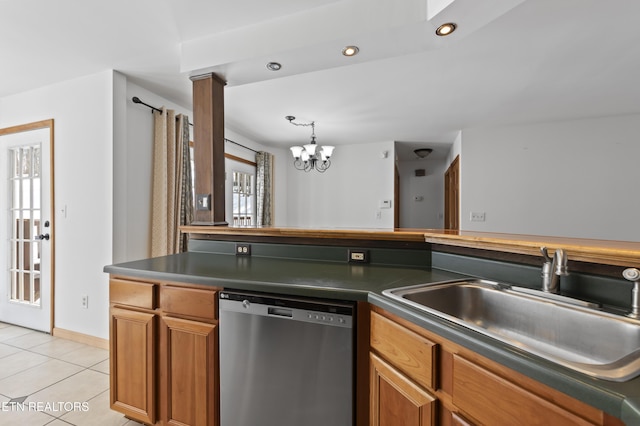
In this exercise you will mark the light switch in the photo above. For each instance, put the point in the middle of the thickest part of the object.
(203, 202)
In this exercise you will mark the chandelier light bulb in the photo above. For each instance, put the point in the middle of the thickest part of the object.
(328, 150)
(311, 149)
(296, 151)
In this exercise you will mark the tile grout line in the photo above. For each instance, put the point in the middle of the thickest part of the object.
(30, 349)
(50, 358)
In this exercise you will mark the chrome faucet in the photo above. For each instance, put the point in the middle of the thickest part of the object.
(633, 275)
(552, 269)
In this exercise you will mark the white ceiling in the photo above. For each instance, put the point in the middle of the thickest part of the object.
(509, 62)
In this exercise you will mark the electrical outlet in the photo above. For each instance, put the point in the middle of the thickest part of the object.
(358, 256)
(243, 249)
(477, 216)
(85, 301)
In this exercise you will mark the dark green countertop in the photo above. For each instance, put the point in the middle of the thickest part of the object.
(337, 280)
(340, 280)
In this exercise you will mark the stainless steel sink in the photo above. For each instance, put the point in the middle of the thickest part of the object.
(582, 338)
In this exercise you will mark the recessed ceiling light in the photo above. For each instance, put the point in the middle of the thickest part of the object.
(446, 29)
(274, 66)
(350, 51)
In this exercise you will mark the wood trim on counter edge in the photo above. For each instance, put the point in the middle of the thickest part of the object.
(338, 234)
(590, 251)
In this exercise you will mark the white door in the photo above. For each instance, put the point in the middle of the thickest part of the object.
(26, 230)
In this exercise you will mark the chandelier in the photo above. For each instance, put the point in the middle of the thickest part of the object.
(310, 156)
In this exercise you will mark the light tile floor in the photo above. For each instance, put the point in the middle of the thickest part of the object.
(45, 380)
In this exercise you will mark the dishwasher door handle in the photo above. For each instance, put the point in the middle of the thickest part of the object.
(280, 312)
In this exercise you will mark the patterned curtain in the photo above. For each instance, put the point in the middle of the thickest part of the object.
(264, 188)
(172, 203)
(184, 190)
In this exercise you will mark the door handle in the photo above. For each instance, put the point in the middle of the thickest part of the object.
(43, 237)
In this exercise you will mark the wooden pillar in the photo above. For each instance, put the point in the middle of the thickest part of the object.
(208, 139)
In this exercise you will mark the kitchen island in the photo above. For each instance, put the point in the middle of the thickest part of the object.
(314, 264)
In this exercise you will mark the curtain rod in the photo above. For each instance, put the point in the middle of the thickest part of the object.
(136, 100)
(245, 147)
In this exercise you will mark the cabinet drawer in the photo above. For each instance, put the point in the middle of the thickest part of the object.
(133, 293)
(409, 352)
(492, 400)
(189, 302)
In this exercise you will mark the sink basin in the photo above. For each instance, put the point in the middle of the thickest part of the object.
(582, 338)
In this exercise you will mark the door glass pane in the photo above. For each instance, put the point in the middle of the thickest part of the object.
(26, 194)
(36, 193)
(243, 199)
(36, 161)
(15, 192)
(15, 166)
(26, 161)
(24, 268)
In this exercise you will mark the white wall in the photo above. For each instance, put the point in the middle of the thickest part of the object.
(427, 212)
(456, 149)
(82, 110)
(572, 178)
(348, 194)
(132, 174)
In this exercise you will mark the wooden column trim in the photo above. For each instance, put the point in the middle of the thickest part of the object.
(208, 139)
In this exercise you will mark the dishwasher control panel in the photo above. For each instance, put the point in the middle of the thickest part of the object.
(318, 311)
(328, 318)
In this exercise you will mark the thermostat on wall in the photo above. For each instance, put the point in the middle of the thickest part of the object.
(385, 204)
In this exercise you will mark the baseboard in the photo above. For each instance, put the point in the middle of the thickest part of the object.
(81, 338)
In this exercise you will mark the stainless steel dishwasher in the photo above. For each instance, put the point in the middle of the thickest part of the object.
(285, 361)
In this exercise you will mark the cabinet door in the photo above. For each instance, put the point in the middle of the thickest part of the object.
(189, 388)
(397, 401)
(132, 364)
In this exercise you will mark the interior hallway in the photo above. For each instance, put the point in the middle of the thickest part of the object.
(46, 380)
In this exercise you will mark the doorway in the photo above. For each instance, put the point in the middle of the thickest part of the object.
(26, 225)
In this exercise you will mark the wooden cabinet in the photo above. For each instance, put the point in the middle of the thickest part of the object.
(400, 386)
(132, 364)
(420, 378)
(411, 353)
(475, 389)
(164, 352)
(396, 400)
(190, 357)
(132, 337)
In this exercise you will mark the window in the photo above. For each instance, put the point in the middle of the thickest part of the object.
(244, 200)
